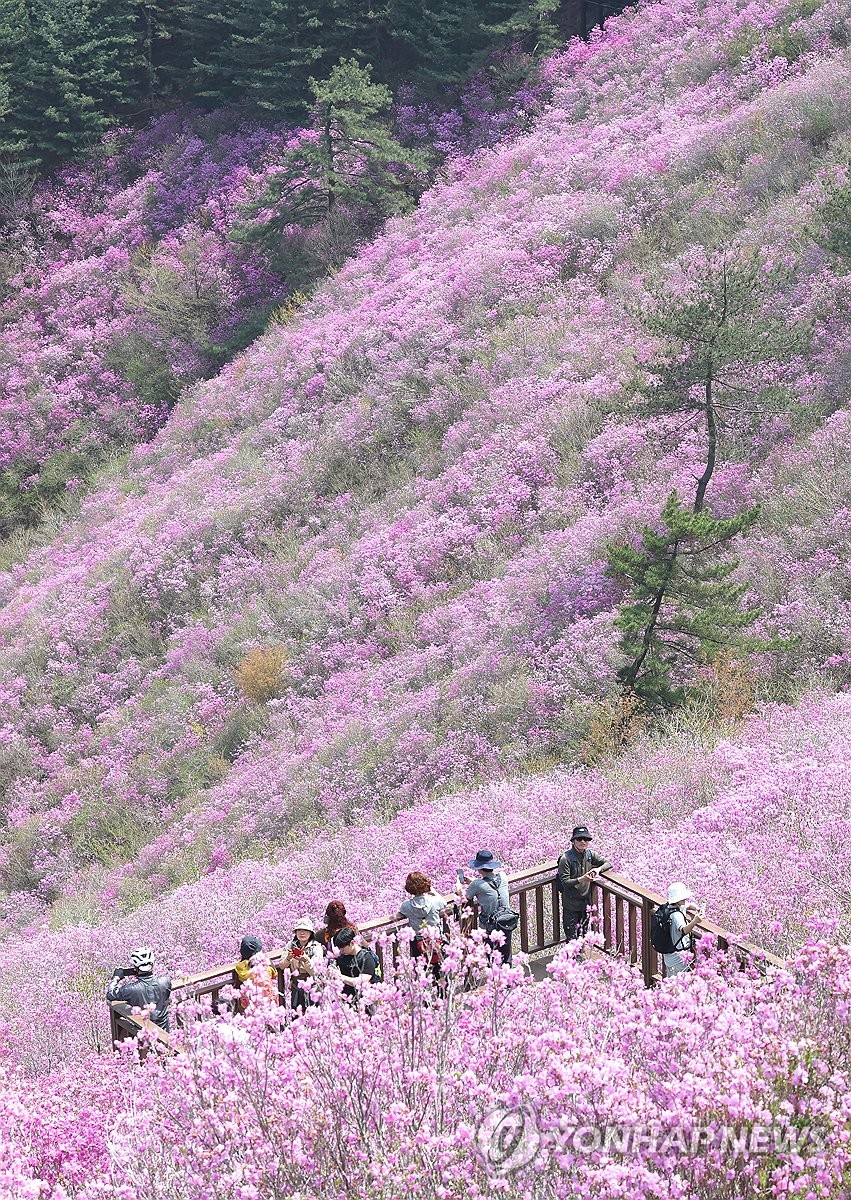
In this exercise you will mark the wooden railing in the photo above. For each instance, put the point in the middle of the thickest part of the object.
(624, 910)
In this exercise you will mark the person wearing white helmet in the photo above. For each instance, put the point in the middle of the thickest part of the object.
(682, 916)
(302, 956)
(138, 986)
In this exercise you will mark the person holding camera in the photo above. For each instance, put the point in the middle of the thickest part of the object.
(138, 986)
(423, 911)
(300, 960)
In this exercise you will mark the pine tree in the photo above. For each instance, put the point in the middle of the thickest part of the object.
(356, 161)
(14, 30)
(442, 40)
(683, 608)
(533, 25)
(103, 45)
(70, 67)
(723, 352)
(348, 172)
(265, 53)
(273, 53)
(49, 115)
(205, 42)
(725, 343)
(164, 61)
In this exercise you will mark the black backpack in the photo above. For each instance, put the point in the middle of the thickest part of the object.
(499, 917)
(360, 962)
(660, 930)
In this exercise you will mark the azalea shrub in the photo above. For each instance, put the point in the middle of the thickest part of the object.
(719, 1083)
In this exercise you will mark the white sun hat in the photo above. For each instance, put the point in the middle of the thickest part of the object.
(678, 892)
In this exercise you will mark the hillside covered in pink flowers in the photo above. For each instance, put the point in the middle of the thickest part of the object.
(343, 612)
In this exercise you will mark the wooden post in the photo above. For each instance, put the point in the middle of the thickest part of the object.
(558, 931)
(539, 914)
(620, 945)
(524, 922)
(648, 954)
(116, 1033)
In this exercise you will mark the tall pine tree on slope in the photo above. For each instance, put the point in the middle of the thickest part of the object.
(723, 346)
(348, 171)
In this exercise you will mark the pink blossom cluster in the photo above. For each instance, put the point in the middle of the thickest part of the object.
(722, 1083)
(125, 266)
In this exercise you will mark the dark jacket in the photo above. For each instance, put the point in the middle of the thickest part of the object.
(570, 866)
(141, 990)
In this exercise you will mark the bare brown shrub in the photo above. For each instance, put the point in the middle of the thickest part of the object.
(260, 675)
(613, 725)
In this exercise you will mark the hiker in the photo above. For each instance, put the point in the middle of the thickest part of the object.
(671, 928)
(354, 961)
(138, 986)
(301, 958)
(490, 893)
(578, 867)
(266, 982)
(335, 920)
(424, 915)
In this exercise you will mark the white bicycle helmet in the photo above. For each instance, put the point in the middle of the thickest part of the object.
(143, 959)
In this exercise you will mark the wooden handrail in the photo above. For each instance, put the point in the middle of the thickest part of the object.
(123, 1024)
(612, 886)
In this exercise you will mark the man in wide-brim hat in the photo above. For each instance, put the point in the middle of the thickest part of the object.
(578, 867)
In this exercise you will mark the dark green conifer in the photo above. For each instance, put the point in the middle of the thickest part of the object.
(724, 339)
(683, 607)
(352, 167)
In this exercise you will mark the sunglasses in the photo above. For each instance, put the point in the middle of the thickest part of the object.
(584, 841)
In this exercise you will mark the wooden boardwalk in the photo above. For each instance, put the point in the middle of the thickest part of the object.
(623, 908)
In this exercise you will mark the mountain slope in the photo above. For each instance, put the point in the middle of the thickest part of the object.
(402, 498)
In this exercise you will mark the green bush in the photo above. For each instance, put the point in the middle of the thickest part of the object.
(107, 833)
(29, 491)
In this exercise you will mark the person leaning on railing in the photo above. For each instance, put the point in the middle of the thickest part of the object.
(423, 911)
(490, 894)
(578, 867)
(138, 986)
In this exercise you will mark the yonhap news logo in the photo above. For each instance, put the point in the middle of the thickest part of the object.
(508, 1139)
(511, 1138)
